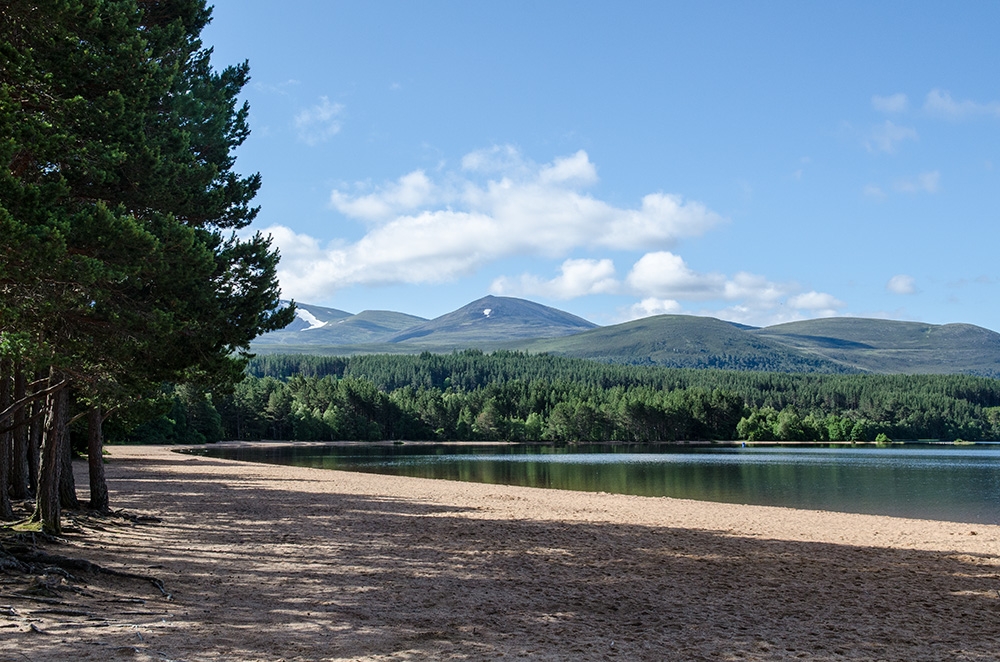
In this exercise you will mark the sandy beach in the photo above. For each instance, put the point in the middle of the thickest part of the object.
(277, 563)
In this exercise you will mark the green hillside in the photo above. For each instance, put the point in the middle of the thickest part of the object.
(684, 341)
(887, 346)
(371, 326)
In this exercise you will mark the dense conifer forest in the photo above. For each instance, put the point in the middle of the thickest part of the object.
(512, 396)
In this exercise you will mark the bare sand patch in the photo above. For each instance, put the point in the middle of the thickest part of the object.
(280, 563)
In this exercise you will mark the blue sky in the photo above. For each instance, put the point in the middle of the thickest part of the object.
(754, 161)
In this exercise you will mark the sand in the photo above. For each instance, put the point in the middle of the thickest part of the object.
(279, 563)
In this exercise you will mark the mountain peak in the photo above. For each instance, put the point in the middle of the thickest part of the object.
(309, 317)
(494, 318)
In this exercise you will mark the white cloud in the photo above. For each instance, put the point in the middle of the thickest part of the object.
(941, 104)
(760, 317)
(409, 192)
(424, 231)
(404, 252)
(432, 227)
(803, 162)
(819, 303)
(739, 313)
(538, 208)
(659, 222)
(887, 136)
(577, 278)
(925, 182)
(281, 89)
(570, 169)
(652, 306)
(901, 284)
(873, 191)
(663, 281)
(757, 290)
(320, 122)
(496, 159)
(894, 103)
(664, 275)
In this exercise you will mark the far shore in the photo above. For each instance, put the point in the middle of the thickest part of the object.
(681, 442)
(270, 562)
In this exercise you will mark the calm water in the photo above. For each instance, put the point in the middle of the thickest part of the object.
(942, 482)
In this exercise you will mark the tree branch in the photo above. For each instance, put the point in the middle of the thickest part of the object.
(28, 399)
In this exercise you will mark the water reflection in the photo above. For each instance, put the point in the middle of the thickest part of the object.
(955, 483)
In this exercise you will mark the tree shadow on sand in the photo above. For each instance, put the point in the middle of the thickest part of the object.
(281, 574)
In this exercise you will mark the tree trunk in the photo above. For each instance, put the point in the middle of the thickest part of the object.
(6, 397)
(47, 507)
(95, 458)
(35, 446)
(19, 460)
(67, 481)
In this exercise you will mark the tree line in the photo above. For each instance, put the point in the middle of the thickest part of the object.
(513, 396)
(120, 266)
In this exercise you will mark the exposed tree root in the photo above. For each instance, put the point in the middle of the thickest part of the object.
(136, 519)
(41, 563)
(20, 554)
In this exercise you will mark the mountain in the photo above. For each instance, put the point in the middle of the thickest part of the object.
(829, 345)
(328, 327)
(839, 344)
(311, 317)
(886, 346)
(373, 326)
(492, 321)
(684, 341)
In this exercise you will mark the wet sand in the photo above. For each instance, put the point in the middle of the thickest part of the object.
(281, 563)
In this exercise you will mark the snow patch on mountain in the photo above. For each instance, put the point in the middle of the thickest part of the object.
(310, 319)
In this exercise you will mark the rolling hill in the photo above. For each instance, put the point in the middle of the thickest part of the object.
(684, 341)
(829, 345)
(885, 346)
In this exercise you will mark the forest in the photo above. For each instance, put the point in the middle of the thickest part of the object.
(513, 396)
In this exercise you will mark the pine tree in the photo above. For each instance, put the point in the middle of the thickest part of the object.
(118, 202)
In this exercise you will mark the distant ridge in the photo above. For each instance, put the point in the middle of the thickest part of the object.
(873, 345)
(828, 345)
(309, 317)
(684, 341)
(337, 328)
(494, 319)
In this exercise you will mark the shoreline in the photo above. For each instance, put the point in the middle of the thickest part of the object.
(933, 501)
(267, 562)
(681, 443)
